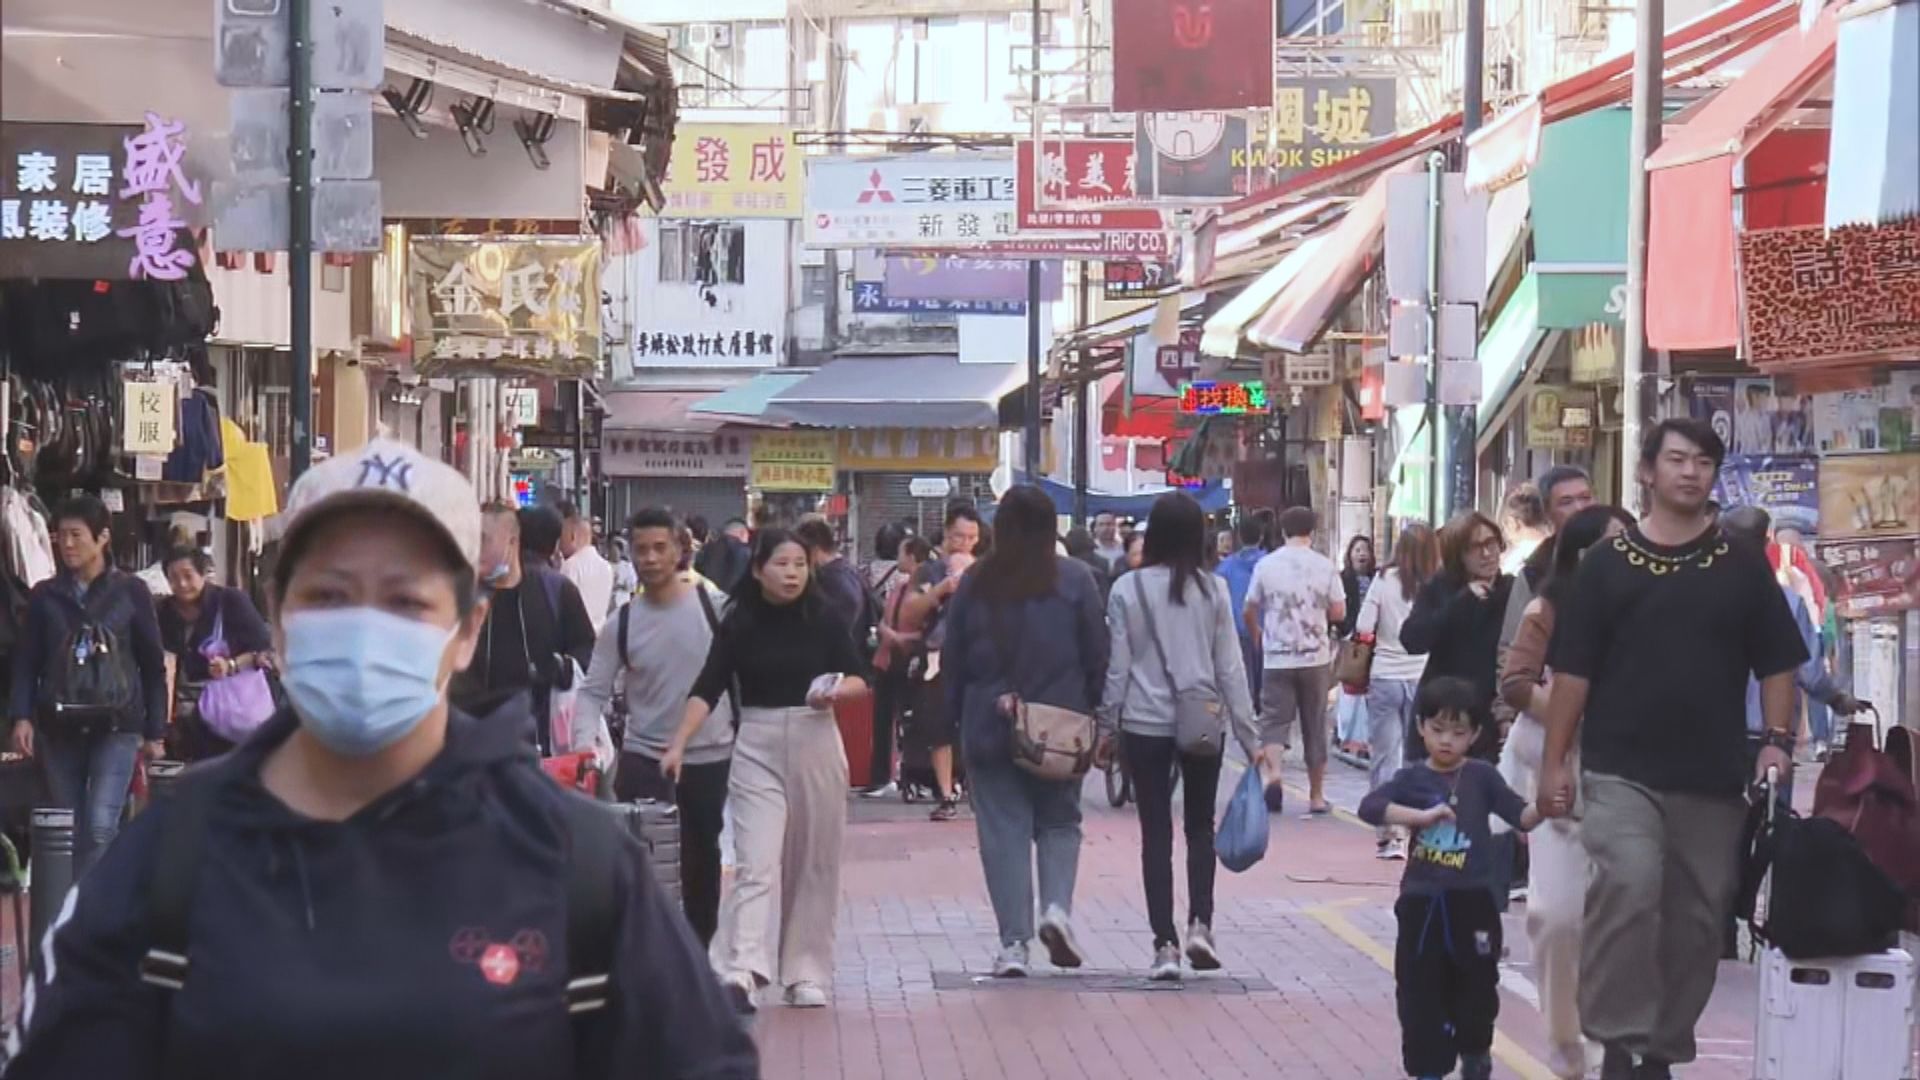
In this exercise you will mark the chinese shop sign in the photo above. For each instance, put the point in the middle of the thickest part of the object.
(1317, 122)
(966, 277)
(1182, 55)
(909, 201)
(872, 298)
(1136, 280)
(1177, 363)
(1223, 398)
(1808, 294)
(734, 171)
(96, 201)
(792, 461)
(515, 307)
(1876, 577)
(672, 453)
(1058, 183)
(147, 418)
(745, 344)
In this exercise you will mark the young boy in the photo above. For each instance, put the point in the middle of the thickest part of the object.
(1447, 960)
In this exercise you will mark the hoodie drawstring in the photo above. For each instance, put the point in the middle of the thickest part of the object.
(1439, 904)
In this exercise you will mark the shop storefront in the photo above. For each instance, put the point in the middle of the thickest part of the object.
(690, 473)
(912, 475)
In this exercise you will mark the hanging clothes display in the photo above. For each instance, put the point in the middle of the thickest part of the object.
(201, 447)
(251, 495)
(29, 548)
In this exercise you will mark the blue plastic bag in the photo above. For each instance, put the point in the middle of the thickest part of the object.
(1241, 839)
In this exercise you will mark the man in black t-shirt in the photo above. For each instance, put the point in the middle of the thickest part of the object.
(1651, 660)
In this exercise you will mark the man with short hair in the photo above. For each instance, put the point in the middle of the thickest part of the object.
(88, 613)
(1565, 490)
(532, 636)
(1107, 544)
(933, 588)
(1651, 658)
(657, 644)
(582, 564)
(723, 560)
(1292, 603)
(1237, 569)
(840, 586)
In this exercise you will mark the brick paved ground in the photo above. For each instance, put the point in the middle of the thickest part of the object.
(1312, 926)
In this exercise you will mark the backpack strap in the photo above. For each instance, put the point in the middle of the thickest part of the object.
(176, 874)
(626, 616)
(713, 624)
(550, 584)
(592, 915)
(1153, 631)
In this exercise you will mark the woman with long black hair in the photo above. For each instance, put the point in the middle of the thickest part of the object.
(1025, 622)
(1173, 638)
(1456, 620)
(1558, 868)
(786, 659)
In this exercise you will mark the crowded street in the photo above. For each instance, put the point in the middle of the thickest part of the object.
(959, 539)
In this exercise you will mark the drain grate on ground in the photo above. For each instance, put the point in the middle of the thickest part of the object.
(1103, 982)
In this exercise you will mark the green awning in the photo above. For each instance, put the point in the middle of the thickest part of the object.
(747, 402)
(1510, 345)
(1579, 189)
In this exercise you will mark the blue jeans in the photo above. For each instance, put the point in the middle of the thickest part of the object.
(89, 775)
(1022, 820)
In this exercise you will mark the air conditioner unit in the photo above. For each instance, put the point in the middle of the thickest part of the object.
(699, 37)
(722, 35)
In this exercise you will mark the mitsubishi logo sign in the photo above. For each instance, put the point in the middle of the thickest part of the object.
(876, 189)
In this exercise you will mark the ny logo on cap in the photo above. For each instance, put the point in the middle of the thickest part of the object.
(377, 471)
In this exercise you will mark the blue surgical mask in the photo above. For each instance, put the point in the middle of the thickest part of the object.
(498, 574)
(362, 679)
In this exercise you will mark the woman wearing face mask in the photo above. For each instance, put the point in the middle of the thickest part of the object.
(786, 659)
(375, 885)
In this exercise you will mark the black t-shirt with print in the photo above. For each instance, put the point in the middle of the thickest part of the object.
(1668, 637)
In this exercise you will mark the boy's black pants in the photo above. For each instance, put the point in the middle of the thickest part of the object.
(1446, 975)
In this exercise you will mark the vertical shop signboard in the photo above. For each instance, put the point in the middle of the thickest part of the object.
(147, 423)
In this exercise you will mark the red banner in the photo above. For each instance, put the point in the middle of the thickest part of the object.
(1190, 55)
(1079, 171)
(1812, 295)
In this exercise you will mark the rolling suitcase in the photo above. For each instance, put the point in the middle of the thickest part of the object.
(657, 826)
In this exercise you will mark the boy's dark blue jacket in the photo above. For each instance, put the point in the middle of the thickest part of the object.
(425, 936)
(117, 601)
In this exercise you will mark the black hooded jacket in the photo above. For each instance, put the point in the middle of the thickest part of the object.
(424, 936)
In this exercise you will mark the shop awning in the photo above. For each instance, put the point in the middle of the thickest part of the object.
(1692, 295)
(1506, 354)
(1154, 416)
(1120, 329)
(1500, 154)
(1223, 330)
(1311, 299)
(747, 403)
(1579, 204)
(899, 392)
(658, 410)
(1213, 498)
(1873, 173)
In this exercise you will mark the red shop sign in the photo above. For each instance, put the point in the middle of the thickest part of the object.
(1077, 172)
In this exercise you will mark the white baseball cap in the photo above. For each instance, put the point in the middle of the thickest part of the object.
(386, 474)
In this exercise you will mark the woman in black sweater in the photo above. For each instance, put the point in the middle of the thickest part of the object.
(786, 659)
(1457, 618)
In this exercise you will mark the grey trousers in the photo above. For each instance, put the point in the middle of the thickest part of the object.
(1665, 869)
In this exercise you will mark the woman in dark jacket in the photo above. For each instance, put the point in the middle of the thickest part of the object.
(212, 632)
(1457, 617)
(1025, 622)
(1356, 577)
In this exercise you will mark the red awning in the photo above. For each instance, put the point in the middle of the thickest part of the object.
(1307, 305)
(1692, 290)
(1153, 416)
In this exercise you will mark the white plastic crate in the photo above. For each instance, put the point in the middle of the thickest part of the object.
(1848, 1019)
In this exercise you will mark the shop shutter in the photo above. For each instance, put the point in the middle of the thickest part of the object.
(715, 498)
(883, 497)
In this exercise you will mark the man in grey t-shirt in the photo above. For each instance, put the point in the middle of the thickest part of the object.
(657, 644)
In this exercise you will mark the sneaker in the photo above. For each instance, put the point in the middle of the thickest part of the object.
(1653, 1069)
(1200, 951)
(1057, 936)
(806, 995)
(1396, 850)
(1517, 894)
(1011, 963)
(1476, 1067)
(1166, 963)
(1617, 1064)
(1821, 752)
(740, 994)
(948, 810)
(885, 791)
